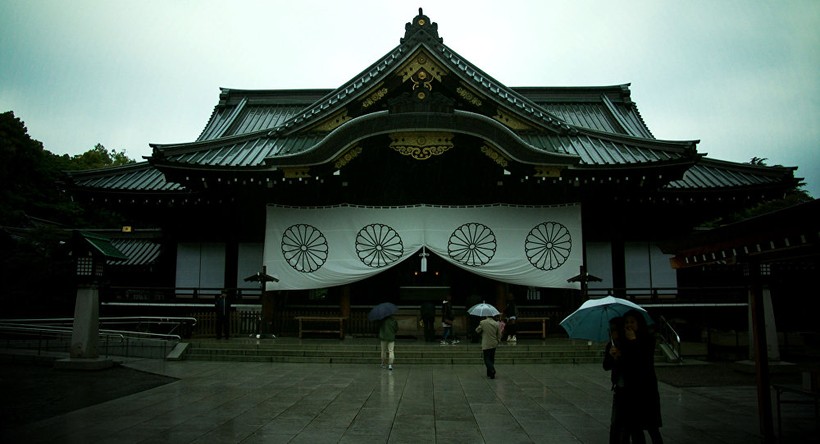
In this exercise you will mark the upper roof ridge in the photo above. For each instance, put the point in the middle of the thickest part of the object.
(421, 29)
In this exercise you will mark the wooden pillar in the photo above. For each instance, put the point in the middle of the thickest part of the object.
(344, 302)
(619, 266)
(267, 311)
(500, 296)
(772, 346)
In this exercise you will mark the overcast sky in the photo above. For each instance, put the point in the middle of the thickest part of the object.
(740, 76)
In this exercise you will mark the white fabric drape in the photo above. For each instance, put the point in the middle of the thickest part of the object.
(318, 247)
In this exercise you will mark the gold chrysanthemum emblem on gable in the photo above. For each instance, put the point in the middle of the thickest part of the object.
(422, 79)
(423, 145)
(421, 61)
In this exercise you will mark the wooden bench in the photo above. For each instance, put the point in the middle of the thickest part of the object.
(321, 320)
(542, 331)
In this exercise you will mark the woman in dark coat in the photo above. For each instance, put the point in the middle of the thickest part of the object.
(641, 400)
(510, 317)
(612, 364)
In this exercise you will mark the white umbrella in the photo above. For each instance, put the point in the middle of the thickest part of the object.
(483, 309)
(591, 319)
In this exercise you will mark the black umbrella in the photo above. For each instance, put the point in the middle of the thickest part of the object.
(382, 311)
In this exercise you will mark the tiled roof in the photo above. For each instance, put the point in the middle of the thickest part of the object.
(601, 110)
(606, 152)
(138, 251)
(255, 129)
(585, 107)
(140, 177)
(600, 116)
(248, 111)
(246, 152)
(711, 174)
(103, 246)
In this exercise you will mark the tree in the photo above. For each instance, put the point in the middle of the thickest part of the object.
(31, 177)
(26, 179)
(35, 268)
(98, 157)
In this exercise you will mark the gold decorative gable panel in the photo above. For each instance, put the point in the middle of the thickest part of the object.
(349, 155)
(377, 94)
(421, 62)
(469, 96)
(510, 121)
(495, 155)
(547, 171)
(421, 145)
(296, 172)
(332, 122)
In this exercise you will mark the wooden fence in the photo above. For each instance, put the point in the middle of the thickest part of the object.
(249, 322)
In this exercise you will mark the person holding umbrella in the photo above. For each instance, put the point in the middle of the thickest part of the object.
(612, 362)
(383, 313)
(641, 400)
(387, 337)
(490, 333)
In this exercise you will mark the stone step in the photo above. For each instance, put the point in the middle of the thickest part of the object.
(404, 356)
(367, 351)
(399, 360)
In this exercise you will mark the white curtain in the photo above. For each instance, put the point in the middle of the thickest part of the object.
(202, 266)
(317, 247)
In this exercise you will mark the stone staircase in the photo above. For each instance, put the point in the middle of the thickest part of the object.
(366, 351)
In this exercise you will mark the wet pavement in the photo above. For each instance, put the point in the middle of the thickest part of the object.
(239, 402)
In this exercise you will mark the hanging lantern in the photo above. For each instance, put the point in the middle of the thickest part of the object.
(423, 256)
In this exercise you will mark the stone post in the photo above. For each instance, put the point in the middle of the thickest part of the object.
(85, 335)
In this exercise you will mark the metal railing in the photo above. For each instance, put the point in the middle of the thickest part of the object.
(53, 335)
(142, 326)
(676, 296)
(669, 337)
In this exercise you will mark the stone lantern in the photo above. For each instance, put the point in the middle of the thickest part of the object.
(90, 253)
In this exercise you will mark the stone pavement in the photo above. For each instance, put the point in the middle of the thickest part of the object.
(238, 402)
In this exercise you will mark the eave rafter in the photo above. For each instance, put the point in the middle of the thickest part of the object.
(787, 234)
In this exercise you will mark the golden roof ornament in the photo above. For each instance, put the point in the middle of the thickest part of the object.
(421, 28)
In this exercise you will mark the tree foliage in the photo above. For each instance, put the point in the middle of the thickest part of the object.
(791, 198)
(98, 157)
(31, 177)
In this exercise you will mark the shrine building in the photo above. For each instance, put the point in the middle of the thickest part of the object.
(419, 177)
